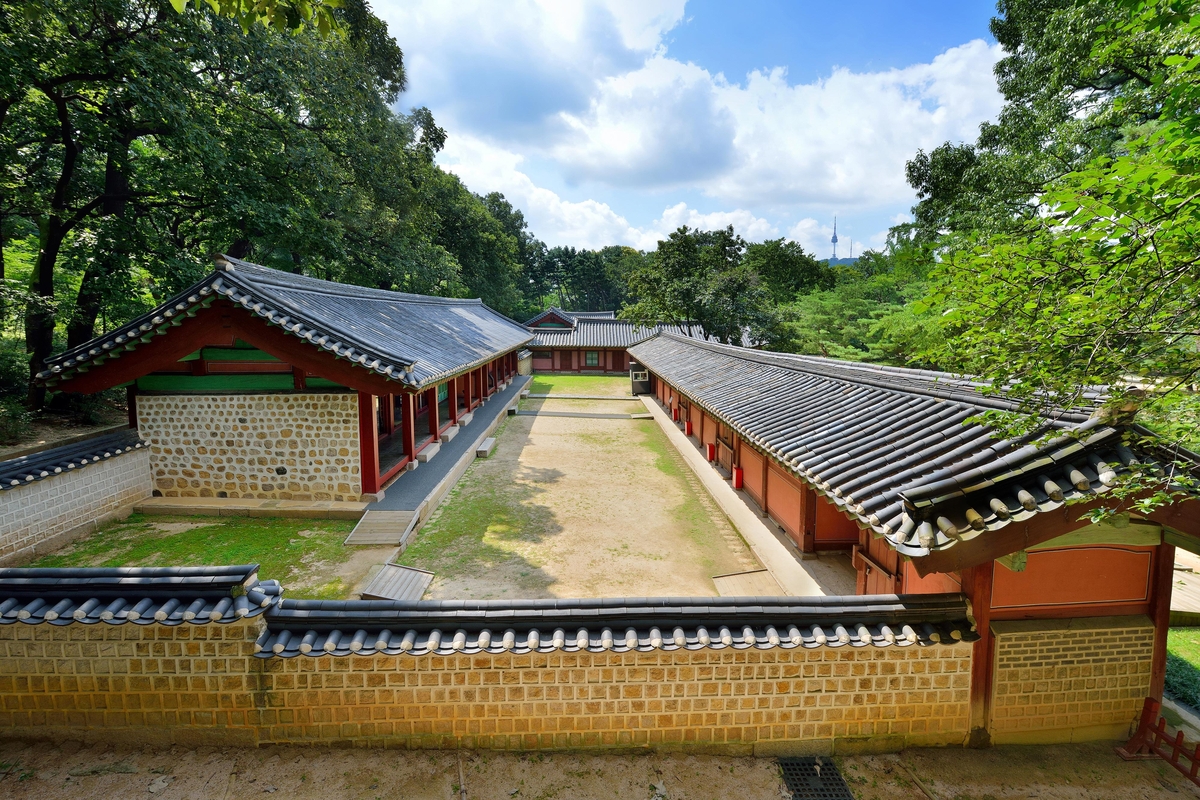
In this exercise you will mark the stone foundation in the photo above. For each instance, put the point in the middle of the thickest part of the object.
(301, 446)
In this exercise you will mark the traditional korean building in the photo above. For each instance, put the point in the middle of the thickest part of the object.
(590, 341)
(883, 462)
(259, 383)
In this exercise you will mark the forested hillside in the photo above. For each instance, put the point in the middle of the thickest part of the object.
(139, 141)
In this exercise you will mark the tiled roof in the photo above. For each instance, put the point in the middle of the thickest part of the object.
(603, 333)
(619, 625)
(412, 339)
(141, 595)
(889, 446)
(555, 311)
(55, 461)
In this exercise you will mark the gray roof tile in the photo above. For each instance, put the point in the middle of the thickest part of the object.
(58, 460)
(412, 339)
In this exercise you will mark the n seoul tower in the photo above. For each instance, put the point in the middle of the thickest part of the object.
(834, 239)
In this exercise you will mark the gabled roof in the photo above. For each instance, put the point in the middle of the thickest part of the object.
(57, 460)
(605, 333)
(412, 339)
(141, 595)
(888, 445)
(568, 317)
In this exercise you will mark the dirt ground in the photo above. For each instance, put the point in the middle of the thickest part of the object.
(71, 770)
(578, 507)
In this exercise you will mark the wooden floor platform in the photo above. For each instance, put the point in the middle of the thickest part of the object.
(384, 527)
(396, 582)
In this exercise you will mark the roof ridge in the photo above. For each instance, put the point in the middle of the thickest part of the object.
(288, 280)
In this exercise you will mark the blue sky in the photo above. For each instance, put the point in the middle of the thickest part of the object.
(616, 121)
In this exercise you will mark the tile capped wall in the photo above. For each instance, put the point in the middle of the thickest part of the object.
(1058, 675)
(301, 446)
(45, 514)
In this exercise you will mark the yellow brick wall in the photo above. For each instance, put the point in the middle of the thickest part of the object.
(190, 683)
(1064, 680)
(235, 445)
(716, 698)
(202, 684)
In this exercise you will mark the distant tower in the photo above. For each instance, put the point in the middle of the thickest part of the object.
(834, 239)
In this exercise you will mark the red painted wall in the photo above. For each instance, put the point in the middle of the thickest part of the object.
(1075, 581)
(752, 473)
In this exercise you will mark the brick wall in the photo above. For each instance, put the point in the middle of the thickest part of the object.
(43, 515)
(1064, 680)
(189, 684)
(201, 684)
(235, 445)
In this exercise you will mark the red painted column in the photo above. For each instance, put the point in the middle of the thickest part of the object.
(408, 424)
(432, 404)
(368, 444)
(977, 583)
(452, 393)
(1161, 609)
(808, 520)
(388, 401)
(131, 404)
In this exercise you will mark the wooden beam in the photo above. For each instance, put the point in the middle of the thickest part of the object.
(977, 584)
(1025, 535)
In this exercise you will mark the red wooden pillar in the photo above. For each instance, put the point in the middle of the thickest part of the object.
(388, 402)
(368, 444)
(431, 402)
(408, 424)
(808, 520)
(452, 394)
(131, 404)
(1161, 609)
(977, 583)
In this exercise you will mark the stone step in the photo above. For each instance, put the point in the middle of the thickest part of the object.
(396, 582)
(465, 419)
(429, 452)
(383, 527)
(486, 448)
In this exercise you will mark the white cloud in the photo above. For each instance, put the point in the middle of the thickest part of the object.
(813, 236)
(589, 88)
(486, 168)
(842, 140)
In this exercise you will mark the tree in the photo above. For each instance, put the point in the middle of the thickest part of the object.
(1074, 80)
(698, 277)
(1099, 287)
(787, 270)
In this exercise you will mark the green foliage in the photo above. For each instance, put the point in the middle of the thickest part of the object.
(1183, 665)
(15, 420)
(701, 277)
(786, 270)
(141, 141)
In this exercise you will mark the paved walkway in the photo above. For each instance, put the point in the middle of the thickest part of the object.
(795, 576)
(580, 415)
(581, 397)
(430, 481)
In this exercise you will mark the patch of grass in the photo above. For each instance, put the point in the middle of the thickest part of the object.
(287, 549)
(1183, 665)
(556, 383)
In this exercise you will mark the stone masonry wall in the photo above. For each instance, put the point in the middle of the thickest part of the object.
(45, 514)
(200, 683)
(1084, 676)
(301, 446)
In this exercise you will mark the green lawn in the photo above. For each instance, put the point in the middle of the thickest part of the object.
(305, 555)
(557, 383)
(1183, 665)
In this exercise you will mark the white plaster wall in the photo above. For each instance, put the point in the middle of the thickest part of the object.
(46, 514)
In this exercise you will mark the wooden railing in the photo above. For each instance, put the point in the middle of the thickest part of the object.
(1154, 740)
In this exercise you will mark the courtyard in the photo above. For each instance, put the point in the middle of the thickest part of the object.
(579, 499)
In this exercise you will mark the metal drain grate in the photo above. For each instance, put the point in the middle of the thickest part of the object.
(814, 778)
